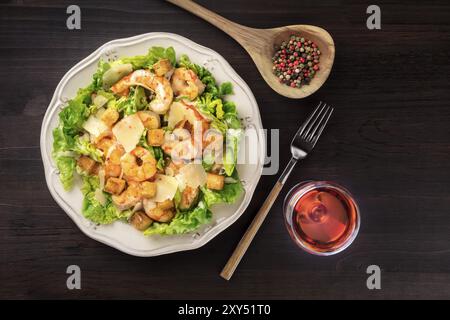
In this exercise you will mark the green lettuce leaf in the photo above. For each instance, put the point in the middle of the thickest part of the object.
(230, 193)
(183, 222)
(97, 82)
(208, 161)
(225, 88)
(75, 113)
(231, 150)
(61, 142)
(135, 102)
(154, 54)
(139, 98)
(66, 166)
(84, 147)
(94, 210)
(158, 154)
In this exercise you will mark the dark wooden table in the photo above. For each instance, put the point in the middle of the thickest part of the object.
(388, 143)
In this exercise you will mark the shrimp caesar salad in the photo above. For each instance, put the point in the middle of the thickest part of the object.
(154, 141)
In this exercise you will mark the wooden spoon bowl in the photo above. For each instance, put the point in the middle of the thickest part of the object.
(262, 44)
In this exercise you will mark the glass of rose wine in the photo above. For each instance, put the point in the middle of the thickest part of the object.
(322, 217)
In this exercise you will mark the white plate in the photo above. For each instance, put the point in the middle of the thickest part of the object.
(121, 235)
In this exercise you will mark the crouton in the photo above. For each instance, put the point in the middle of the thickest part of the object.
(114, 185)
(112, 170)
(155, 137)
(214, 181)
(110, 116)
(140, 221)
(148, 189)
(189, 198)
(149, 119)
(87, 164)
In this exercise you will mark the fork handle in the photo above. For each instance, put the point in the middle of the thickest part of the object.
(241, 248)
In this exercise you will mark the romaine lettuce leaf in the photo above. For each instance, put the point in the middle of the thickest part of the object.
(84, 147)
(61, 142)
(154, 54)
(97, 79)
(94, 210)
(75, 113)
(183, 222)
(66, 166)
(231, 150)
(229, 194)
(135, 102)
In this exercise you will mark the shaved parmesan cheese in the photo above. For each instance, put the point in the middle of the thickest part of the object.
(100, 101)
(180, 111)
(192, 175)
(166, 187)
(94, 126)
(100, 196)
(128, 131)
(101, 178)
(100, 112)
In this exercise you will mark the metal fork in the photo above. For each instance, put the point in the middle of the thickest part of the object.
(302, 144)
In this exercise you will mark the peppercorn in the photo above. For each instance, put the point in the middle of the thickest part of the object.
(296, 61)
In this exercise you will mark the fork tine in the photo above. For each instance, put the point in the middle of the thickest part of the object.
(317, 123)
(314, 122)
(321, 126)
(311, 116)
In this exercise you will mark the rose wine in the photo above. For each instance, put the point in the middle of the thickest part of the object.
(324, 218)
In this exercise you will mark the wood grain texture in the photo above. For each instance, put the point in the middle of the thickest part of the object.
(261, 45)
(246, 240)
(388, 143)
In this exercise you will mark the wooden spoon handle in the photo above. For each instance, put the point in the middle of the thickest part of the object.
(233, 29)
(243, 245)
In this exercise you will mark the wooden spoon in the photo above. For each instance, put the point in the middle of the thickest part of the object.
(262, 43)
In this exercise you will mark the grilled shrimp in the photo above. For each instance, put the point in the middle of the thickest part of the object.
(138, 165)
(180, 146)
(144, 78)
(128, 198)
(186, 83)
